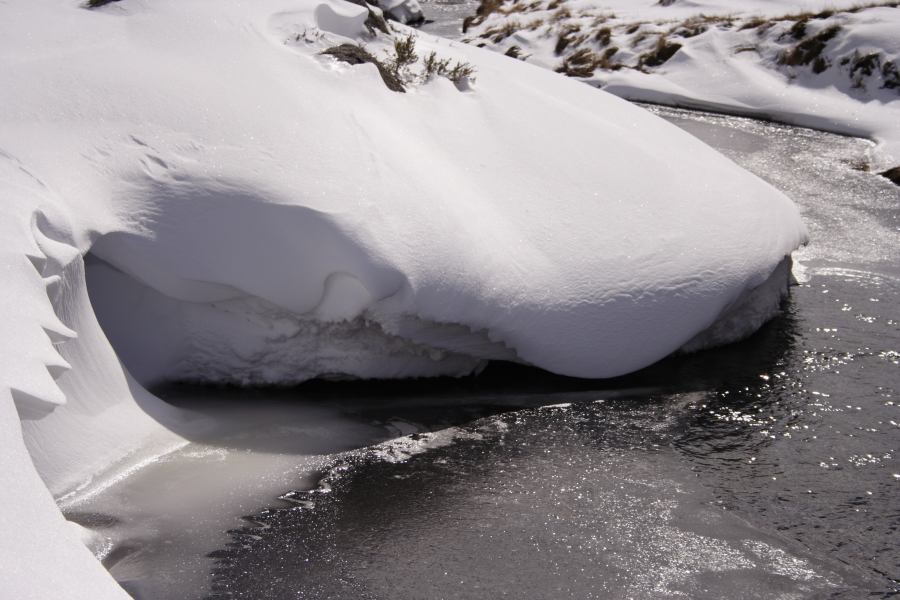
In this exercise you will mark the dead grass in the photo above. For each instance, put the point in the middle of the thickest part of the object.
(498, 34)
(798, 29)
(866, 65)
(662, 52)
(580, 63)
(603, 36)
(606, 62)
(639, 38)
(561, 14)
(753, 23)
(809, 50)
(568, 37)
(513, 52)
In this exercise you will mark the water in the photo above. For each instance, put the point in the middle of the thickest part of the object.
(764, 470)
(767, 469)
(444, 17)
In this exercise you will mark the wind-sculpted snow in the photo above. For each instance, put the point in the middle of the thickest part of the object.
(833, 66)
(259, 212)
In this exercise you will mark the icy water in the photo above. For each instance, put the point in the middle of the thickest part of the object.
(763, 470)
(766, 469)
(445, 17)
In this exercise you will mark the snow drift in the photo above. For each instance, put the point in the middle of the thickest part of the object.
(833, 66)
(255, 211)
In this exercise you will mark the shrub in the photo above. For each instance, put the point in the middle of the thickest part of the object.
(434, 66)
(357, 55)
(461, 71)
(404, 55)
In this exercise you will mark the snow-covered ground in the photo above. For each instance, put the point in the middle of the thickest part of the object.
(826, 65)
(258, 211)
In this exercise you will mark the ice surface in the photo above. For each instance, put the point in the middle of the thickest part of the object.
(212, 154)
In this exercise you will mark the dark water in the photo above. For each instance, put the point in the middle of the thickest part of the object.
(766, 469)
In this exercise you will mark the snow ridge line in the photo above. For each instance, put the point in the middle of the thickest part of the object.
(50, 259)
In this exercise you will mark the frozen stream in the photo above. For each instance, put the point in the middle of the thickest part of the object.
(766, 469)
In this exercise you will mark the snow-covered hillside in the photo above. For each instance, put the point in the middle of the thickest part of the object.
(256, 209)
(826, 65)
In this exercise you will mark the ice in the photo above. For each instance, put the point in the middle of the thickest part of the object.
(254, 190)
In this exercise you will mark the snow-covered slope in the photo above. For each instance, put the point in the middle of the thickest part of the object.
(826, 65)
(256, 211)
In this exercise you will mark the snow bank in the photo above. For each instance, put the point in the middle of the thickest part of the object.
(826, 65)
(256, 211)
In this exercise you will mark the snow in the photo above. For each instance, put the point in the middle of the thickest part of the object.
(730, 58)
(254, 211)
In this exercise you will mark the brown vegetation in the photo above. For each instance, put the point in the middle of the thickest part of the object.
(357, 55)
(662, 52)
(809, 49)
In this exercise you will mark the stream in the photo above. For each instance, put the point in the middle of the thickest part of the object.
(765, 469)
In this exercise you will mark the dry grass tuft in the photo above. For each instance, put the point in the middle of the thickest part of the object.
(662, 52)
(809, 49)
(603, 36)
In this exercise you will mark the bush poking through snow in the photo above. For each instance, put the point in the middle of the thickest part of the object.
(356, 55)
(603, 36)
(397, 69)
(461, 73)
(663, 51)
(578, 34)
(863, 66)
(798, 29)
(435, 67)
(566, 37)
(809, 49)
(513, 52)
(403, 58)
(580, 63)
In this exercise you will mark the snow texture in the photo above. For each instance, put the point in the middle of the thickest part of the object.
(256, 211)
(830, 65)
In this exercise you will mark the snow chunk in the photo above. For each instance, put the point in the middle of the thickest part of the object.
(342, 18)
